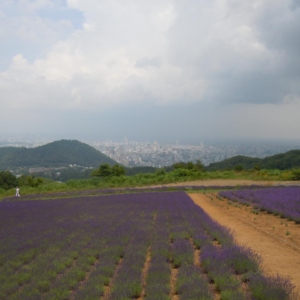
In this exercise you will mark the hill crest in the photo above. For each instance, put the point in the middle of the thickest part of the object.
(57, 153)
(282, 161)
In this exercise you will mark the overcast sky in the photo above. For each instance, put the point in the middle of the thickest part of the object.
(150, 70)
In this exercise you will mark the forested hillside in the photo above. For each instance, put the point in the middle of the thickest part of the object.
(58, 153)
(283, 161)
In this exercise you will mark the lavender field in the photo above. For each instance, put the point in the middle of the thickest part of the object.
(281, 201)
(133, 246)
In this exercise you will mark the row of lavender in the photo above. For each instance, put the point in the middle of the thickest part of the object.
(284, 201)
(99, 248)
(109, 191)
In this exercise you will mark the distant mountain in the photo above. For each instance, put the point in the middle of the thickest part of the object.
(59, 153)
(283, 161)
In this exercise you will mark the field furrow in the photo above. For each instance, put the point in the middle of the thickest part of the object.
(144, 246)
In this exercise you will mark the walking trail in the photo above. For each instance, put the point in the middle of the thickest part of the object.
(276, 240)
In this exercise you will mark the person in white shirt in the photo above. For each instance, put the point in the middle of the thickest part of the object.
(17, 192)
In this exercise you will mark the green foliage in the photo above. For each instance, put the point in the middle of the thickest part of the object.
(198, 166)
(232, 295)
(135, 289)
(256, 168)
(283, 161)
(275, 288)
(43, 286)
(225, 281)
(78, 274)
(130, 171)
(66, 173)
(244, 264)
(295, 174)
(160, 172)
(23, 278)
(144, 179)
(238, 168)
(105, 170)
(60, 293)
(182, 173)
(58, 153)
(27, 256)
(117, 170)
(7, 180)
(30, 180)
(230, 163)
(179, 165)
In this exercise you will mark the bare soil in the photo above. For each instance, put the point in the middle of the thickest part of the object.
(276, 240)
(174, 276)
(144, 273)
(231, 182)
(108, 289)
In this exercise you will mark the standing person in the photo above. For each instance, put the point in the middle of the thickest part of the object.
(17, 192)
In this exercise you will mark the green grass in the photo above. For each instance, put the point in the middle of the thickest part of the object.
(138, 180)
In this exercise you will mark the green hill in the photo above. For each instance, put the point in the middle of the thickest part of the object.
(282, 161)
(59, 153)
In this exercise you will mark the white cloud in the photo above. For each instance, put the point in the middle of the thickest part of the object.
(160, 51)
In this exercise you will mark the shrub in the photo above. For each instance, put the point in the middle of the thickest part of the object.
(23, 278)
(43, 286)
(295, 174)
(275, 288)
(238, 168)
(182, 173)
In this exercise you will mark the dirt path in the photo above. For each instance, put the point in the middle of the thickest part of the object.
(265, 234)
(230, 182)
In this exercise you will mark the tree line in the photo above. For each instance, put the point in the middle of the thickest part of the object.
(9, 181)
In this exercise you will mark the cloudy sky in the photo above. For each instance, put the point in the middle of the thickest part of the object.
(160, 70)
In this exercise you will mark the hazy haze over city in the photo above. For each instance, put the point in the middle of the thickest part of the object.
(150, 70)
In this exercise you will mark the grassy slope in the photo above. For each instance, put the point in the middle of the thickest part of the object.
(139, 180)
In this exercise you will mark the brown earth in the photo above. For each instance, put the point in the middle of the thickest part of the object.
(230, 182)
(276, 240)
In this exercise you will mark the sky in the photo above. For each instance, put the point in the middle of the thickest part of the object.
(162, 70)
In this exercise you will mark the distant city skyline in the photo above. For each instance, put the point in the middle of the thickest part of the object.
(155, 154)
(48, 138)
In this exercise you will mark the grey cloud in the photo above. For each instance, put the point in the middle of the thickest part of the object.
(146, 62)
(251, 87)
(279, 29)
(187, 123)
(208, 41)
(295, 4)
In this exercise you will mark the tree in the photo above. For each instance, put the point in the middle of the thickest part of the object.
(117, 170)
(256, 168)
(238, 168)
(7, 180)
(199, 165)
(105, 170)
(190, 165)
(179, 165)
(160, 172)
(30, 180)
(296, 174)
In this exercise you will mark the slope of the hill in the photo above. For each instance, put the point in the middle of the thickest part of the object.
(282, 161)
(58, 153)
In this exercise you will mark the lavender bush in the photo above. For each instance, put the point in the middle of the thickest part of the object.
(74, 248)
(282, 201)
